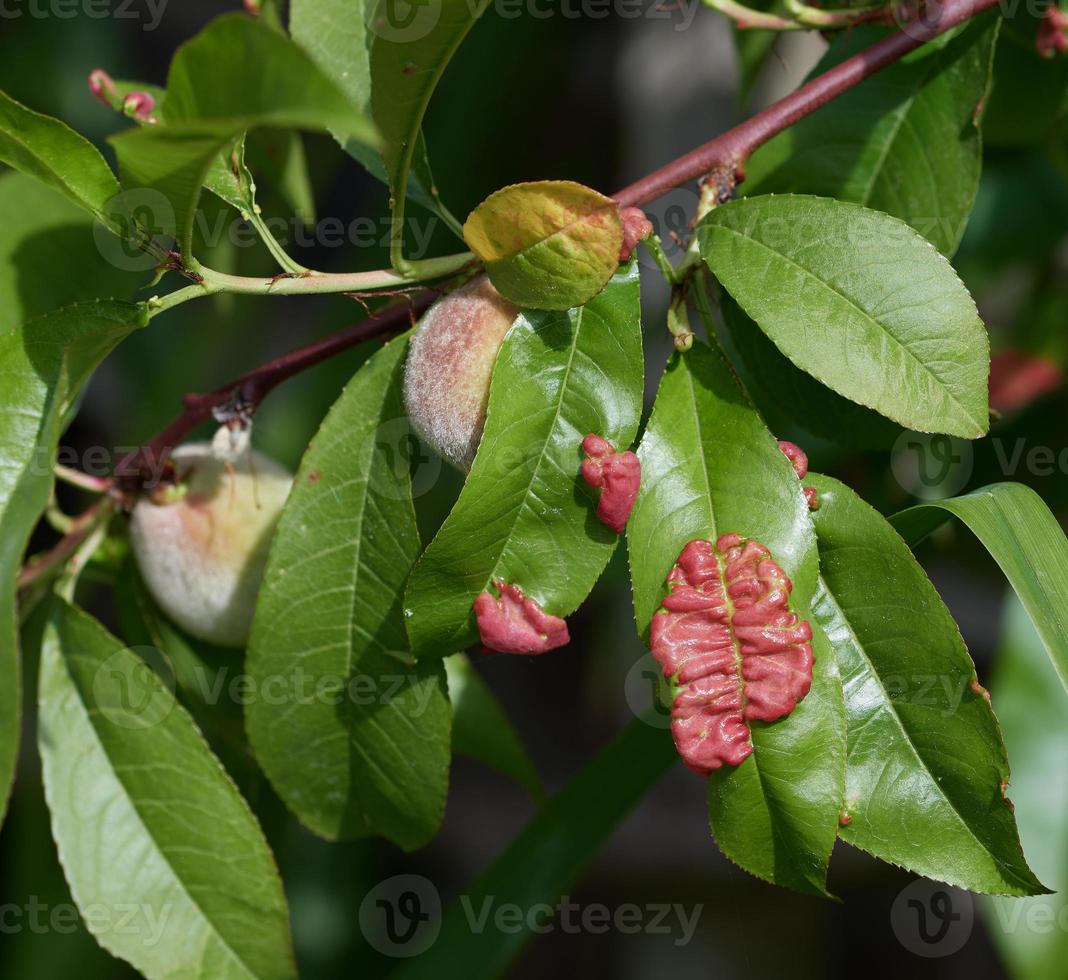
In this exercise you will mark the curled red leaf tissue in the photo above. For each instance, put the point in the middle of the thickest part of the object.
(513, 623)
(618, 475)
(732, 648)
(799, 461)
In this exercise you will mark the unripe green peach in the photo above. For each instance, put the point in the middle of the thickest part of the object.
(450, 364)
(202, 545)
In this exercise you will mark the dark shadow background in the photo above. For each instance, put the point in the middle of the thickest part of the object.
(599, 101)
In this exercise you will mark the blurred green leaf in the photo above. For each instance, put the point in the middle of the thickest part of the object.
(861, 302)
(926, 763)
(543, 862)
(52, 152)
(409, 53)
(151, 832)
(482, 730)
(905, 141)
(212, 98)
(44, 364)
(525, 515)
(49, 254)
(368, 752)
(1029, 102)
(335, 35)
(710, 467)
(1016, 527)
(1030, 932)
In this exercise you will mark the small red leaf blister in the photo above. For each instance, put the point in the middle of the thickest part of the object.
(732, 648)
(513, 623)
(797, 457)
(636, 228)
(619, 476)
(799, 461)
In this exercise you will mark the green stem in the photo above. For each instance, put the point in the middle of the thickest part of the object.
(308, 283)
(663, 263)
(831, 19)
(312, 283)
(279, 254)
(746, 17)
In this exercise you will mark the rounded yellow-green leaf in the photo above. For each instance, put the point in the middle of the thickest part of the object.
(550, 244)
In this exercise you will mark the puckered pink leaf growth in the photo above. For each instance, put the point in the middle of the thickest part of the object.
(799, 461)
(514, 623)
(618, 475)
(732, 648)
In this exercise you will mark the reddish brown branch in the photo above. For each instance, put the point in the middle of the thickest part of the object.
(49, 562)
(732, 148)
(250, 389)
(726, 154)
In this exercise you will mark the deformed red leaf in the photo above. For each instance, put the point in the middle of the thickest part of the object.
(1017, 379)
(513, 623)
(799, 461)
(797, 457)
(636, 227)
(732, 648)
(618, 475)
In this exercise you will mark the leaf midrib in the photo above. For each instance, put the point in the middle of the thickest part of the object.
(888, 702)
(135, 809)
(943, 386)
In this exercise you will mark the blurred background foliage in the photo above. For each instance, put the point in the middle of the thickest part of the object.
(600, 101)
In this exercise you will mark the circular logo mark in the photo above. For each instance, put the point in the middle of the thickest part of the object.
(931, 466)
(130, 693)
(403, 21)
(401, 916)
(931, 919)
(670, 217)
(648, 692)
(142, 228)
(402, 453)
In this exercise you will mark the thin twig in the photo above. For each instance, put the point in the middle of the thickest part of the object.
(732, 148)
(53, 559)
(253, 387)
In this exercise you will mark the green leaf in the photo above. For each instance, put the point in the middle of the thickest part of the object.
(905, 141)
(482, 730)
(278, 156)
(710, 467)
(43, 366)
(1034, 716)
(212, 99)
(334, 34)
(859, 301)
(52, 152)
(788, 396)
(409, 53)
(369, 753)
(51, 254)
(542, 864)
(926, 763)
(549, 244)
(149, 826)
(525, 515)
(1025, 539)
